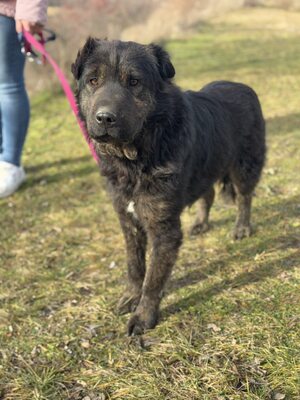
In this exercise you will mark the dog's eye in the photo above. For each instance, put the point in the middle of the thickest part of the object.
(94, 81)
(133, 82)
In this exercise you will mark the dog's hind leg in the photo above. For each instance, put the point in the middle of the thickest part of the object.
(201, 224)
(136, 243)
(244, 177)
(242, 226)
(243, 184)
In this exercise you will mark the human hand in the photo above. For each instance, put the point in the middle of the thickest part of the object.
(32, 27)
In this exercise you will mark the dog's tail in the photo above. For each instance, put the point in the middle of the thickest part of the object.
(227, 190)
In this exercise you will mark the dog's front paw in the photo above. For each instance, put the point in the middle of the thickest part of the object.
(141, 320)
(128, 302)
(241, 231)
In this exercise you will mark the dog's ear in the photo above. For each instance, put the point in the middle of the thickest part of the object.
(82, 55)
(166, 69)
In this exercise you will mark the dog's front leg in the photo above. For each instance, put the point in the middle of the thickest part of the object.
(165, 238)
(136, 242)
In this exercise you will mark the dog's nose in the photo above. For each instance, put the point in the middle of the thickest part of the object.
(106, 118)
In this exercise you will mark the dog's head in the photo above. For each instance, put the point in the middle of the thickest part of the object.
(117, 86)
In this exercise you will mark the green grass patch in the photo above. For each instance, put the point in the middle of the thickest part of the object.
(229, 326)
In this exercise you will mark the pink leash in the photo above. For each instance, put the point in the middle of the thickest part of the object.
(39, 46)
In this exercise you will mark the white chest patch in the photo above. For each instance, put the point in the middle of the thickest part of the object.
(130, 208)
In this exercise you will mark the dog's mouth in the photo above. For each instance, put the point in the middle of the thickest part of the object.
(101, 139)
(108, 139)
(114, 135)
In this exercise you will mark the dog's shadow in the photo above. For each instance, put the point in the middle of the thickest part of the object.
(77, 169)
(286, 123)
(61, 162)
(266, 268)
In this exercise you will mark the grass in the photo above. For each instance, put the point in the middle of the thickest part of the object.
(229, 327)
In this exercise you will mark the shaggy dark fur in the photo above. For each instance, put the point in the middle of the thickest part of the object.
(161, 149)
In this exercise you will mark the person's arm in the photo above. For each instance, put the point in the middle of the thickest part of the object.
(31, 15)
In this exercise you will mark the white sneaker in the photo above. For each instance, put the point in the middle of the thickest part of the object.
(11, 177)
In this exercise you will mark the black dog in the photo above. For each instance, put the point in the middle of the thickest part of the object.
(161, 149)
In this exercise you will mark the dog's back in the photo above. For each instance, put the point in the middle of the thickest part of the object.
(235, 108)
(229, 136)
(243, 105)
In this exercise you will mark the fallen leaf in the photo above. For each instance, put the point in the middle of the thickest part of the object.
(112, 265)
(214, 327)
(279, 396)
(85, 344)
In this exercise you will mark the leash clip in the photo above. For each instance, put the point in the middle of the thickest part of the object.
(26, 47)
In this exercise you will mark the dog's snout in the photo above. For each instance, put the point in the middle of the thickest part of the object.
(106, 118)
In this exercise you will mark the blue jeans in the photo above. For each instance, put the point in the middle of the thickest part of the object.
(14, 103)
